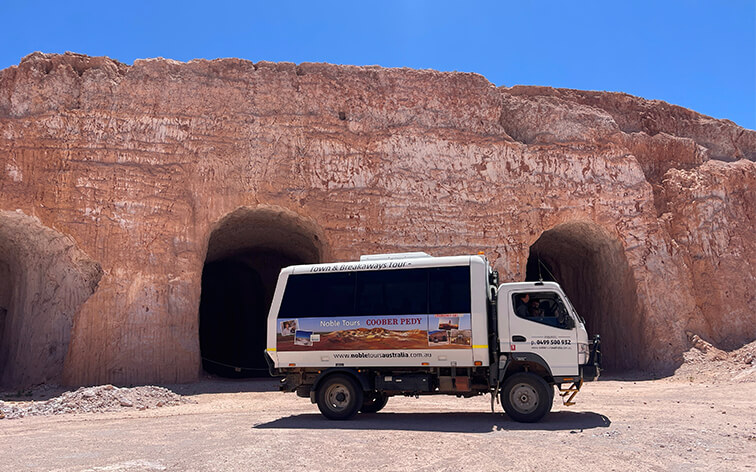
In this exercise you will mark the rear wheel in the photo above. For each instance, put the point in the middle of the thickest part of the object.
(526, 397)
(373, 402)
(339, 397)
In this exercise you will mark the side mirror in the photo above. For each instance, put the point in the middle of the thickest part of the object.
(565, 321)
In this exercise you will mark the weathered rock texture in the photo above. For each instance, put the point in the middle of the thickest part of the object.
(645, 211)
(44, 279)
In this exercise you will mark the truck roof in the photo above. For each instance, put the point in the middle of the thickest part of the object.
(388, 263)
(514, 286)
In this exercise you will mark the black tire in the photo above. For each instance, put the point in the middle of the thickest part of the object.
(373, 402)
(339, 397)
(526, 397)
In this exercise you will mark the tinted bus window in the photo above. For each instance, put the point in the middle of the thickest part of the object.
(449, 290)
(318, 295)
(392, 292)
(389, 292)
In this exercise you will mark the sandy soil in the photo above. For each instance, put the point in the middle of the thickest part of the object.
(699, 419)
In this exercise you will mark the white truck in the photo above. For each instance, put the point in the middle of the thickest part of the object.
(350, 335)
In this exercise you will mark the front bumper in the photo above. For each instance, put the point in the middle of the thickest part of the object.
(592, 369)
(590, 372)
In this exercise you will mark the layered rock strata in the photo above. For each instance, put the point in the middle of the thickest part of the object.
(128, 180)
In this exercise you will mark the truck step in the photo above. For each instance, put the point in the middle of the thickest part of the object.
(572, 390)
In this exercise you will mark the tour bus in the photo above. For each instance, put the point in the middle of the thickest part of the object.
(350, 335)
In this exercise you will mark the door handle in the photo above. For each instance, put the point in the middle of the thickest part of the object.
(518, 339)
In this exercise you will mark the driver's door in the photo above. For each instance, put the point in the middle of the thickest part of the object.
(546, 329)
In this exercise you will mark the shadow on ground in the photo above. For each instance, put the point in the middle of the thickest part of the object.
(443, 422)
(223, 385)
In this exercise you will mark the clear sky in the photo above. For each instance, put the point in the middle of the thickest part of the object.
(700, 55)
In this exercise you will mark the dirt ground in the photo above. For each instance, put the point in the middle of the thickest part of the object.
(699, 419)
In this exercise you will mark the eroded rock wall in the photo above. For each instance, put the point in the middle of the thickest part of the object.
(44, 280)
(139, 164)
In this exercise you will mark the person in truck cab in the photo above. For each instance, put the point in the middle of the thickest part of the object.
(534, 307)
(522, 305)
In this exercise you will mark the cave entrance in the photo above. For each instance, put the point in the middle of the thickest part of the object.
(591, 267)
(44, 280)
(6, 292)
(244, 257)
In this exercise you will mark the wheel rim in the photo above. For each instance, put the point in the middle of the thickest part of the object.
(338, 397)
(524, 398)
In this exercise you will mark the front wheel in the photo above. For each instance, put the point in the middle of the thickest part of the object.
(373, 402)
(339, 397)
(526, 397)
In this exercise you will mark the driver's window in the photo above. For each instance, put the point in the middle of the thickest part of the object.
(542, 307)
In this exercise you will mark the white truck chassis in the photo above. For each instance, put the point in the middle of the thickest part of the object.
(350, 335)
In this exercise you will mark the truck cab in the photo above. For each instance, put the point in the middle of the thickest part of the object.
(543, 344)
(536, 321)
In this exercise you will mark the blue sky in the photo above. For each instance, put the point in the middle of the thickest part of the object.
(701, 55)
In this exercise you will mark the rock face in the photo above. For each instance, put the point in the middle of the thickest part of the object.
(119, 184)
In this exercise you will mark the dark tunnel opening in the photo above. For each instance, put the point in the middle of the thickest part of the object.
(591, 267)
(245, 255)
(6, 292)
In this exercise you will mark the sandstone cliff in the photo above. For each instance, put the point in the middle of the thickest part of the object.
(123, 182)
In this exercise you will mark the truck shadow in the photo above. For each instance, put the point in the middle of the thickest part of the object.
(443, 422)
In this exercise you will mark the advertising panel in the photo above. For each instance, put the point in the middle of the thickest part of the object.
(449, 331)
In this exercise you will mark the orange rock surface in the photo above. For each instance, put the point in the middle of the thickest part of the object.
(119, 184)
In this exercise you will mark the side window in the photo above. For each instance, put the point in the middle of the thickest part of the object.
(318, 295)
(392, 292)
(439, 290)
(542, 307)
(449, 290)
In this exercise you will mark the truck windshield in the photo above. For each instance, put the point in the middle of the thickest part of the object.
(572, 308)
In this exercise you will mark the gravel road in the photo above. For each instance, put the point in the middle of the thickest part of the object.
(670, 424)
